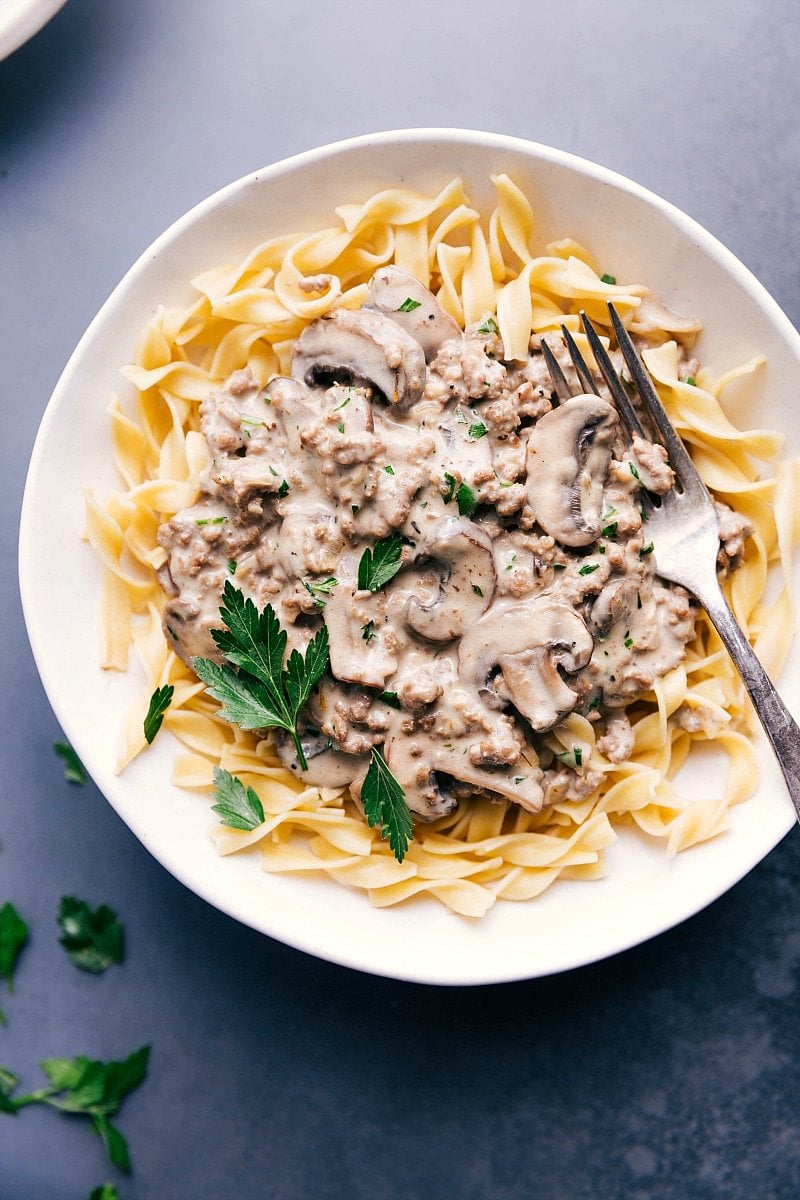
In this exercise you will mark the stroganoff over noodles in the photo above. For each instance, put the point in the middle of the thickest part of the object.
(356, 428)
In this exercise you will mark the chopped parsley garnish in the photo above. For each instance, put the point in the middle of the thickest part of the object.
(477, 590)
(409, 305)
(634, 472)
(238, 807)
(628, 643)
(391, 698)
(389, 469)
(512, 558)
(608, 279)
(648, 549)
(284, 489)
(380, 563)
(91, 1088)
(368, 631)
(488, 326)
(572, 758)
(319, 588)
(466, 500)
(478, 430)
(13, 936)
(255, 689)
(340, 427)
(232, 565)
(690, 379)
(106, 1191)
(588, 568)
(450, 480)
(74, 770)
(385, 805)
(345, 402)
(93, 940)
(460, 418)
(211, 521)
(159, 703)
(610, 531)
(251, 421)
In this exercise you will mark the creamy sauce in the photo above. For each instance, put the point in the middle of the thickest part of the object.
(528, 587)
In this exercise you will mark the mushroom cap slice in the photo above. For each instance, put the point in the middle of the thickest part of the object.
(528, 641)
(327, 767)
(569, 452)
(462, 554)
(390, 291)
(426, 797)
(352, 345)
(354, 659)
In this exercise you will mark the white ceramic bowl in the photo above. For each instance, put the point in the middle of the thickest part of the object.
(634, 234)
(21, 19)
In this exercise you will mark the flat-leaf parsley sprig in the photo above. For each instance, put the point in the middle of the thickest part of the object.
(385, 804)
(82, 1085)
(254, 687)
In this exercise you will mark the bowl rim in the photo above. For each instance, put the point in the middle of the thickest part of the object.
(470, 974)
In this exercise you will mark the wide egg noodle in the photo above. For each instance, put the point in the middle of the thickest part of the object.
(248, 314)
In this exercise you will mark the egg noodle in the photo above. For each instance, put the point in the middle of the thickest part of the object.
(249, 315)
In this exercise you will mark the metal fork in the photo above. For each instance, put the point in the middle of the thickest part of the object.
(684, 529)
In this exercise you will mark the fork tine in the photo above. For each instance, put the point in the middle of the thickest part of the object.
(615, 385)
(560, 385)
(681, 463)
(579, 362)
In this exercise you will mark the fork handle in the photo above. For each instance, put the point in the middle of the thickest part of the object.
(779, 724)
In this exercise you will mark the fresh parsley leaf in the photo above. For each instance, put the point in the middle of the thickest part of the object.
(385, 805)
(478, 430)
(88, 1087)
(260, 693)
(608, 279)
(319, 588)
(610, 530)
(106, 1191)
(391, 698)
(488, 326)
(648, 549)
(13, 936)
(409, 305)
(159, 703)
(588, 568)
(466, 500)
(93, 940)
(284, 489)
(389, 469)
(74, 770)
(380, 564)
(572, 758)
(238, 807)
(450, 480)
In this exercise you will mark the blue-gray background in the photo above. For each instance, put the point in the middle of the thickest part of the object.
(669, 1072)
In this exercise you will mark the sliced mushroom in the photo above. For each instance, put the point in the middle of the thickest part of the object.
(463, 568)
(409, 303)
(422, 765)
(347, 346)
(326, 767)
(354, 657)
(569, 451)
(528, 641)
